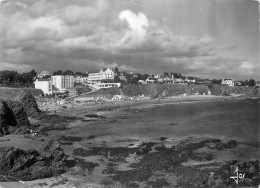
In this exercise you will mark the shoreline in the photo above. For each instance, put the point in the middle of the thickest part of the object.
(112, 110)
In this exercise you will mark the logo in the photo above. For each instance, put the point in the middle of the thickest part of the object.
(238, 176)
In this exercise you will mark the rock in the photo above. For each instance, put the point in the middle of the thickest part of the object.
(22, 96)
(220, 145)
(163, 138)
(48, 161)
(12, 116)
(90, 137)
(232, 144)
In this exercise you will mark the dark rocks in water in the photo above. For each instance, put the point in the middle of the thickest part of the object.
(124, 117)
(70, 138)
(12, 116)
(202, 156)
(85, 164)
(49, 160)
(221, 146)
(54, 122)
(95, 116)
(118, 153)
(158, 183)
(108, 108)
(163, 160)
(163, 138)
(90, 137)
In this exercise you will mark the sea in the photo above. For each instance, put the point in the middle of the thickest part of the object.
(237, 120)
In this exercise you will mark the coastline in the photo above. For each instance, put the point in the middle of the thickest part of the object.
(110, 110)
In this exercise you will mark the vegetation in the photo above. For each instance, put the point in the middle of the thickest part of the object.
(163, 90)
(15, 79)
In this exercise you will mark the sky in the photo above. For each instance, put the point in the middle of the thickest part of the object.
(203, 38)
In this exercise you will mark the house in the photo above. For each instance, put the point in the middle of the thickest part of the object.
(190, 79)
(150, 80)
(43, 74)
(157, 76)
(84, 79)
(177, 77)
(77, 79)
(237, 83)
(227, 81)
(142, 81)
(44, 84)
(165, 79)
(122, 77)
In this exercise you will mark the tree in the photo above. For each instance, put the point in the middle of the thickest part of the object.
(58, 72)
(116, 70)
(68, 72)
(79, 73)
(33, 73)
(215, 81)
(166, 74)
(251, 82)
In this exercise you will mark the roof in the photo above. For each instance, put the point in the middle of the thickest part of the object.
(45, 73)
(227, 79)
(43, 79)
(108, 80)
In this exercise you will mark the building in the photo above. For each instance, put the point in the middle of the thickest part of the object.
(72, 91)
(150, 80)
(190, 79)
(122, 77)
(43, 74)
(62, 82)
(142, 82)
(101, 75)
(228, 82)
(165, 79)
(106, 83)
(102, 79)
(44, 84)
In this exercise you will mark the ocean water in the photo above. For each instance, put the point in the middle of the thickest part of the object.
(227, 120)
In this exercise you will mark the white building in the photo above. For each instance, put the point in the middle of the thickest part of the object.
(44, 84)
(101, 75)
(102, 79)
(63, 82)
(228, 82)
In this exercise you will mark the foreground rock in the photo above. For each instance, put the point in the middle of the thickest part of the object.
(22, 96)
(12, 116)
(17, 164)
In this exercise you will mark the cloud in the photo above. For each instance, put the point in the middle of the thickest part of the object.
(137, 23)
(85, 35)
(246, 68)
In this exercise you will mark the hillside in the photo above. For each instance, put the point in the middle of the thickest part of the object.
(168, 90)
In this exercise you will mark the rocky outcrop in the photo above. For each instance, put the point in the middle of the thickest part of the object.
(22, 96)
(48, 161)
(12, 116)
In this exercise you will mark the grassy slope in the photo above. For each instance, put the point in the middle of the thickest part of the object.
(167, 90)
